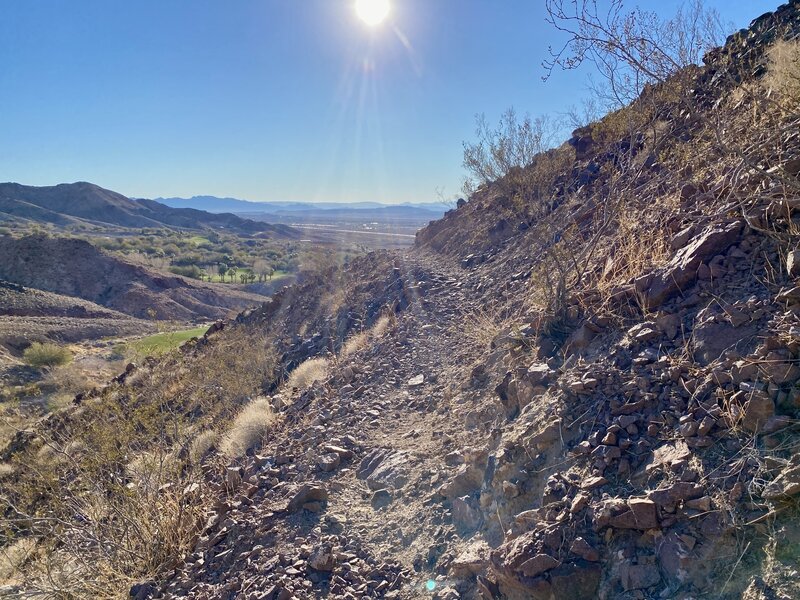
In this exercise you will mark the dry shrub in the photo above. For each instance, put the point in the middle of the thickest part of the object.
(108, 529)
(6, 470)
(360, 340)
(202, 444)
(636, 249)
(483, 325)
(783, 76)
(517, 158)
(354, 343)
(46, 355)
(248, 429)
(380, 326)
(13, 556)
(314, 369)
(68, 379)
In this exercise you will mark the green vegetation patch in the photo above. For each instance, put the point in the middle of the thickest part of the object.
(161, 343)
(46, 355)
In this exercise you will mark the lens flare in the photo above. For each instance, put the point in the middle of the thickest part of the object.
(372, 12)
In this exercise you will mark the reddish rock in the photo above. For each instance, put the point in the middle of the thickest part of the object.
(580, 547)
(757, 411)
(677, 492)
(307, 494)
(578, 581)
(538, 564)
(682, 269)
(641, 514)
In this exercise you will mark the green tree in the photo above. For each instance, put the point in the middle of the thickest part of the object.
(222, 269)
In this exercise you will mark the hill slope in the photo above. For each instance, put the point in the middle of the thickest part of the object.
(591, 394)
(73, 267)
(73, 203)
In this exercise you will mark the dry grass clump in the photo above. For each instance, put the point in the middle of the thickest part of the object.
(484, 324)
(314, 369)
(360, 340)
(46, 355)
(13, 556)
(248, 429)
(783, 76)
(202, 444)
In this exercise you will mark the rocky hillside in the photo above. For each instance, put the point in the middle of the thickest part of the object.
(591, 394)
(73, 267)
(86, 203)
(33, 315)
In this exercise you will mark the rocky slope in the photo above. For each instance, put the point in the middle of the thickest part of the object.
(30, 315)
(86, 203)
(73, 267)
(628, 430)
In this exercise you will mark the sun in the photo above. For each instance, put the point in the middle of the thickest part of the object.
(372, 12)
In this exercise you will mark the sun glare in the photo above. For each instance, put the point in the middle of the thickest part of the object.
(372, 12)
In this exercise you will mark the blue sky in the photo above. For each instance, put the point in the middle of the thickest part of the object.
(270, 99)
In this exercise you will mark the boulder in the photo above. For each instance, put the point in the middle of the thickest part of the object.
(322, 559)
(675, 493)
(681, 271)
(641, 514)
(306, 494)
(473, 560)
(758, 409)
(383, 468)
(538, 564)
(577, 581)
(466, 516)
(785, 486)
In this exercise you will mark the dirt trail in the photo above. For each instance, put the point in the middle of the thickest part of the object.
(372, 404)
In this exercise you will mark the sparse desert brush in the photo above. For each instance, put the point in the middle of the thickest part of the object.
(314, 369)
(354, 343)
(360, 340)
(380, 326)
(68, 379)
(46, 355)
(483, 325)
(783, 75)
(13, 556)
(201, 445)
(248, 429)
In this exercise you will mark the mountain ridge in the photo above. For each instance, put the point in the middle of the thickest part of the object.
(86, 203)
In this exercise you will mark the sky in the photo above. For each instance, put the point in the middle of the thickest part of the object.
(272, 100)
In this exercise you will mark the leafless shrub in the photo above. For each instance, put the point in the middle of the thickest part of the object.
(630, 48)
(506, 154)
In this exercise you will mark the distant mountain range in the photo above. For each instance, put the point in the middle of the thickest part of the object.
(85, 203)
(235, 205)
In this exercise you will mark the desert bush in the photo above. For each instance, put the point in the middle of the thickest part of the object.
(314, 369)
(783, 75)
(248, 428)
(191, 271)
(41, 355)
(503, 154)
